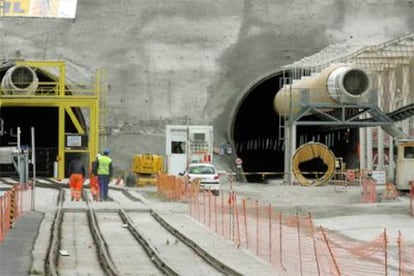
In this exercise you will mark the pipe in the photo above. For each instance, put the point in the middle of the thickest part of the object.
(19, 80)
(339, 83)
(313, 164)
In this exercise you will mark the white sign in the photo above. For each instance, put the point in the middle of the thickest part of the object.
(239, 161)
(380, 177)
(74, 141)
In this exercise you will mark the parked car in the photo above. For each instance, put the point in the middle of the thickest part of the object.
(207, 173)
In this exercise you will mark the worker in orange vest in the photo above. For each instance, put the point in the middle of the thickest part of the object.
(76, 179)
(93, 179)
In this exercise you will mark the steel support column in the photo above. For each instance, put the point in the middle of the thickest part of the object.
(405, 94)
(380, 131)
(391, 102)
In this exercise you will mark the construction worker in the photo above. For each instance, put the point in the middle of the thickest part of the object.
(76, 178)
(104, 170)
(93, 179)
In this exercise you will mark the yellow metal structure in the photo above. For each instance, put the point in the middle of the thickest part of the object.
(101, 81)
(56, 97)
(146, 166)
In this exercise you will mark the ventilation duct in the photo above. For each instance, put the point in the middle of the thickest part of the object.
(19, 80)
(338, 84)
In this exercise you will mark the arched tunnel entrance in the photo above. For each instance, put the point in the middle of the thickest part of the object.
(257, 133)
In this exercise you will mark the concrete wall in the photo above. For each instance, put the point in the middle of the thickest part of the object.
(188, 60)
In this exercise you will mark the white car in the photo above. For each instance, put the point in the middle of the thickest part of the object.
(207, 173)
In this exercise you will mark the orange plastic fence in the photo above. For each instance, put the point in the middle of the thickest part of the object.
(176, 188)
(293, 245)
(4, 214)
(13, 204)
(369, 193)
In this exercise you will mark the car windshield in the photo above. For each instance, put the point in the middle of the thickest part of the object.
(201, 170)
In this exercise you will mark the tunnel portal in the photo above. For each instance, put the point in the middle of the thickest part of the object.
(257, 133)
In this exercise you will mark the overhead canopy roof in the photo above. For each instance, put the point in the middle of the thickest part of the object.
(373, 57)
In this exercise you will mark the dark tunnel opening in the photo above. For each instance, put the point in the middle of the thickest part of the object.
(258, 134)
(44, 120)
(314, 168)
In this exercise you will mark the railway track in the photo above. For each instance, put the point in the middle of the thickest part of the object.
(119, 237)
(128, 235)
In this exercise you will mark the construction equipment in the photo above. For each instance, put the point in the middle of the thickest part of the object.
(146, 166)
(340, 84)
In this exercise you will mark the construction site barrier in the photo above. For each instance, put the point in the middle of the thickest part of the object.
(5, 204)
(176, 188)
(293, 245)
(13, 203)
(369, 190)
(351, 177)
(390, 192)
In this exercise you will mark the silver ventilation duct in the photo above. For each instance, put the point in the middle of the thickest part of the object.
(19, 80)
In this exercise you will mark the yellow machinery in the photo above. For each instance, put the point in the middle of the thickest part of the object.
(146, 166)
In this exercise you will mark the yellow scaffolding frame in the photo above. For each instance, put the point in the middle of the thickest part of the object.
(64, 102)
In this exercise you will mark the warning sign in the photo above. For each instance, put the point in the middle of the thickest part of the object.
(380, 177)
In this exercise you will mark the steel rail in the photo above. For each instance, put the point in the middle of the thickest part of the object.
(214, 262)
(50, 264)
(159, 262)
(102, 248)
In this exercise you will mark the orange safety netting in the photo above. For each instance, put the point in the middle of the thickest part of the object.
(176, 188)
(13, 203)
(293, 245)
(369, 193)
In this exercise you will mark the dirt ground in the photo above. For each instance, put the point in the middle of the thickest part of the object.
(321, 201)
